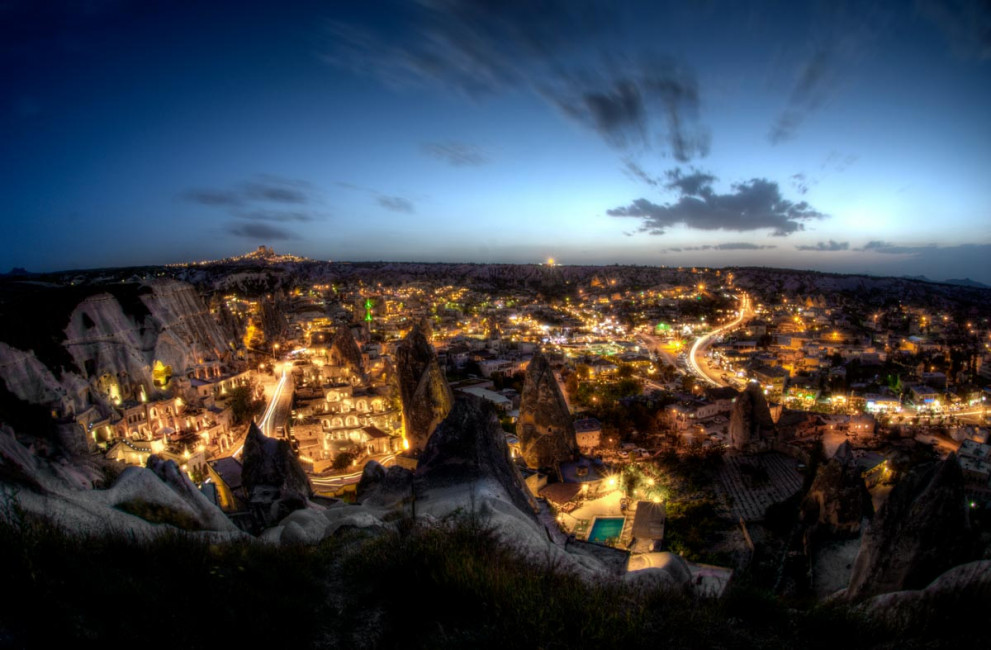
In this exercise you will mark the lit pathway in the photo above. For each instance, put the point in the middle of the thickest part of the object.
(276, 411)
(702, 343)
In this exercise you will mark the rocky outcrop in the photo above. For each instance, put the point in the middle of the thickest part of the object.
(751, 425)
(273, 477)
(344, 351)
(652, 571)
(141, 503)
(470, 446)
(207, 513)
(423, 389)
(961, 588)
(920, 531)
(312, 525)
(838, 500)
(115, 336)
(545, 428)
(384, 487)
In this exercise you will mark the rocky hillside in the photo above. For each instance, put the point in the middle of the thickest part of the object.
(58, 343)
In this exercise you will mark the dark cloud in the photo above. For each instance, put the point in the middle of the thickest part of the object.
(564, 51)
(260, 231)
(830, 246)
(697, 183)
(456, 154)
(623, 102)
(752, 205)
(397, 204)
(966, 24)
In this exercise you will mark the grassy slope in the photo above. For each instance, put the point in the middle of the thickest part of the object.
(455, 587)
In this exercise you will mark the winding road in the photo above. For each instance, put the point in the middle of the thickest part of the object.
(702, 344)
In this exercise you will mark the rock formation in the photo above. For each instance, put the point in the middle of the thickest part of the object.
(384, 487)
(273, 477)
(963, 587)
(838, 500)
(545, 428)
(470, 447)
(344, 351)
(920, 531)
(209, 515)
(653, 571)
(750, 424)
(64, 492)
(116, 334)
(425, 395)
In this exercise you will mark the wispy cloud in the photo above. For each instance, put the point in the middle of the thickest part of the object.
(729, 246)
(842, 36)
(262, 198)
(756, 204)
(827, 247)
(260, 231)
(397, 204)
(888, 248)
(456, 154)
(391, 202)
(966, 24)
(566, 52)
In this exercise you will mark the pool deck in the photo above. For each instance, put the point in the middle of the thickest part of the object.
(580, 521)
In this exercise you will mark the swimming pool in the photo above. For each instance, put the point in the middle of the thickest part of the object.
(604, 528)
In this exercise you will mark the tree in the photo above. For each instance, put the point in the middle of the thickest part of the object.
(243, 404)
(344, 459)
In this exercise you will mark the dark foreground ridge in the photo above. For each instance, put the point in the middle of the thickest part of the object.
(451, 586)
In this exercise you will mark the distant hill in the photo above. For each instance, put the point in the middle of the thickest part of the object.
(967, 282)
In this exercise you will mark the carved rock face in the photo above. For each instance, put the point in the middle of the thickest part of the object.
(750, 422)
(838, 500)
(918, 533)
(469, 446)
(273, 477)
(545, 428)
(345, 351)
(425, 395)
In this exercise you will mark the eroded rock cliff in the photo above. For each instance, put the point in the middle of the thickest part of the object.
(423, 389)
(750, 423)
(273, 477)
(545, 427)
(838, 500)
(470, 446)
(919, 532)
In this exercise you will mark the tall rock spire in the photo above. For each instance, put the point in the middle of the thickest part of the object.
(545, 429)
(425, 395)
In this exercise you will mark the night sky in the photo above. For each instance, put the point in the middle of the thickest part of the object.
(840, 136)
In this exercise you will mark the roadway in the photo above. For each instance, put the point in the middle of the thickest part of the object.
(279, 409)
(703, 342)
(274, 422)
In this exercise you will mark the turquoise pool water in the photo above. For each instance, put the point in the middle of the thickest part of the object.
(606, 528)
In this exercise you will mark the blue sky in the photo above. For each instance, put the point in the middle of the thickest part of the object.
(836, 136)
